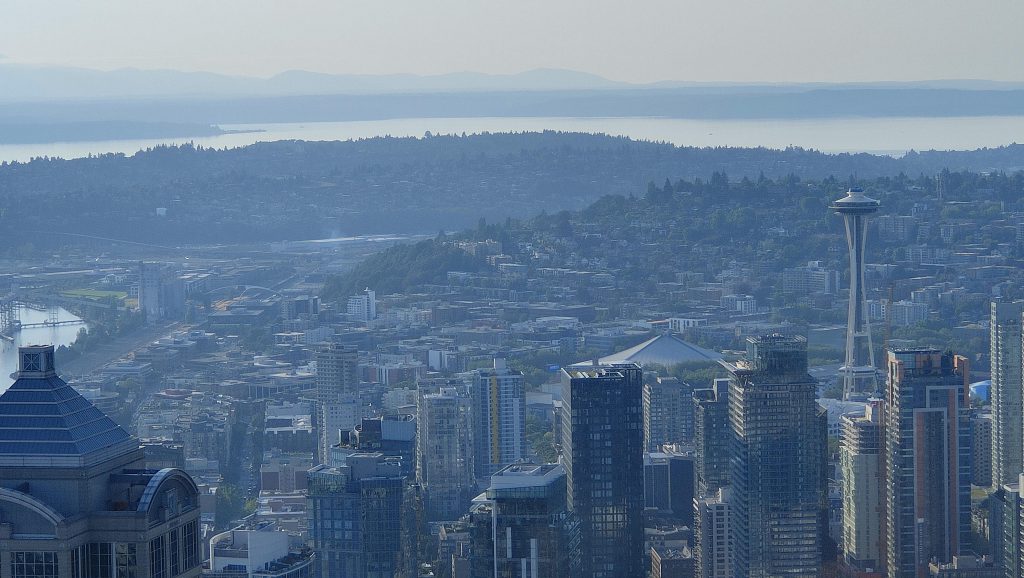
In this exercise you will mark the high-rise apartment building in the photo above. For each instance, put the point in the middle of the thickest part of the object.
(981, 449)
(499, 418)
(928, 461)
(75, 497)
(362, 307)
(517, 524)
(602, 450)
(712, 437)
(861, 461)
(444, 452)
(668, 412)
(161, 292)
(713, 547)
(1007, 391)
(778, 460)
(356, 517)
(337, 394)
(1007, 533)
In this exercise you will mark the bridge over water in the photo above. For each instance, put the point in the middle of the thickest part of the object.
(10, 316)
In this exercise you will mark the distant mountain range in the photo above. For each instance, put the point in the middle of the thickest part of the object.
(25, 83)
(49, 104)
(30, 83)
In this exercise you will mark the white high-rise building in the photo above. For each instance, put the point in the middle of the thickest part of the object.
(714, 546)
(861, 461)
(337, 394)
(363, 307)
(1006, 392)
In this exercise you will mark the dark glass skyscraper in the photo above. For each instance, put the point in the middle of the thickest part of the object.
(356, 516)
(712, 437)
(516, 524)
(778, 460)
(602, 449)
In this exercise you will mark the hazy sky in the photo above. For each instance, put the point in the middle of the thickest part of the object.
(636, 41)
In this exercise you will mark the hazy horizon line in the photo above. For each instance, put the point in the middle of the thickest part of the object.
(6, 62)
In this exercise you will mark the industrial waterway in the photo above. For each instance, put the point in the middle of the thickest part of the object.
(57, 335)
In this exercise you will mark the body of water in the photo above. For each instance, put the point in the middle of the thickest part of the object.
(890, 136)
(55, 335)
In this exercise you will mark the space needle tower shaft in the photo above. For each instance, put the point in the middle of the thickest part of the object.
(858, 371)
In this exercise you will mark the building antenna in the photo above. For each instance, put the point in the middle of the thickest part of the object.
(888, 320)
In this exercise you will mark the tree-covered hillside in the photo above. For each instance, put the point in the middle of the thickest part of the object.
(302, 190)
(403, 266)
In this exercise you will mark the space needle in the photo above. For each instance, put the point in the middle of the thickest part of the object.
(858, 371)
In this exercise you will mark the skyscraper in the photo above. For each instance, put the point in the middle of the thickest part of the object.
(668, 412)
(602, 450)
(669, 486)
(499, 418)
(75, 497)
(444, 453)
(928, 467)
(657, 483)
(981, 449)
(862, 463)
(712, 437)
(356, 516)
(858, 370)
(161, 292)
(1007, 392)
(1007, 531)
(337, 394)
(362, 307)
(517, 524)
(778, 460)
(714, 547)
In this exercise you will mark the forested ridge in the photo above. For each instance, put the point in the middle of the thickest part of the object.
(301, 190)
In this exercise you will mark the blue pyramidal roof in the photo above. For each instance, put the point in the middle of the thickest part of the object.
(43, 418)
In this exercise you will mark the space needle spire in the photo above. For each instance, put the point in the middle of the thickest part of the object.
(858, 370)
